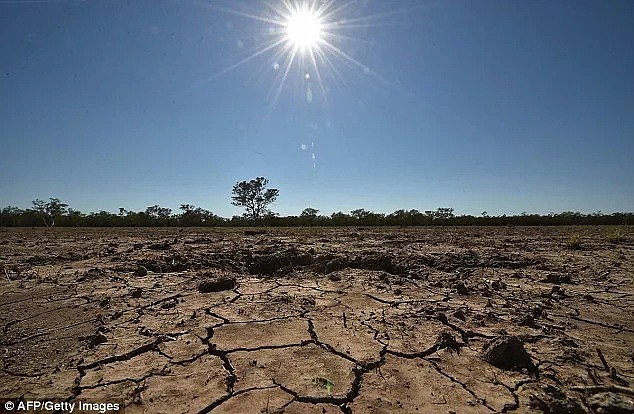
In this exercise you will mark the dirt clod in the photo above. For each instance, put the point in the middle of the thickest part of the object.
(446, 340)
(611, 403)
(554, 401)
(557, 278)
(333, 277)
(217, 284)
(508, 353)
(461, 288)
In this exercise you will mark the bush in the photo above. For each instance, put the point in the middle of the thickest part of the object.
(574, 242)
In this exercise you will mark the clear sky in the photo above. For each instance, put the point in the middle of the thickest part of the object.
(503, 106)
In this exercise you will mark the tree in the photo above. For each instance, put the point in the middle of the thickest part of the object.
(254, 197)
(50, 211)
(159, 214)
(310, 212)
(308, 216)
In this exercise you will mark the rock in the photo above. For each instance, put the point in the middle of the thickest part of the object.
(217, 284)
(136, 293)
(334, 277)
(140, 271)
(611, 403)
(508, 353)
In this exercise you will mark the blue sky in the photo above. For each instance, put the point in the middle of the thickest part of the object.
(503, 106)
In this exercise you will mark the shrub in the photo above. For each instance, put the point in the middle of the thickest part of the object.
(574, 242)
(615, 236)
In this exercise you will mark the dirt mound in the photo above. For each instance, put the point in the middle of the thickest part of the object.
(377, 261)
(270, 264)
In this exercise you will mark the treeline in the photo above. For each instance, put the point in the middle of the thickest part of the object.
(56, 213)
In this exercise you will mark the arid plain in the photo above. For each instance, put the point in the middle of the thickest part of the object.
(320, 320)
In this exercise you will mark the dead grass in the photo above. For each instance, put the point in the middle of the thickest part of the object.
(615, 236)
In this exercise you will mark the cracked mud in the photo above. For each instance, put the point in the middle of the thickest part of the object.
(434, 320)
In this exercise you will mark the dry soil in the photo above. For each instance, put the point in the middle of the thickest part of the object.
(348, 320)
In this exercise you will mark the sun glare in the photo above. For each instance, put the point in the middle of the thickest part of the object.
(304, 29)
(307, 35)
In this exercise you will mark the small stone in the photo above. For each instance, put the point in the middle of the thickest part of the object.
(136, 293)
(140, 271)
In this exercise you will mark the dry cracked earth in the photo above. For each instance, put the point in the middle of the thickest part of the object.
(350, 320)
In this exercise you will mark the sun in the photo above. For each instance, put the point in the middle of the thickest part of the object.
(304, 30)
(306, 35)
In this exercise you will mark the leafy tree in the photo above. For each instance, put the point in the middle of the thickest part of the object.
(406, 218)
(254, 197)
(309, 212)
(40, 207)
(50, 211)
(341, 219)
(444, 213)
(11, 216)
(159, 214)
(196, 216)
(308, 216)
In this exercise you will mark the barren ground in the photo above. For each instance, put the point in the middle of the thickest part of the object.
(352, 320)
